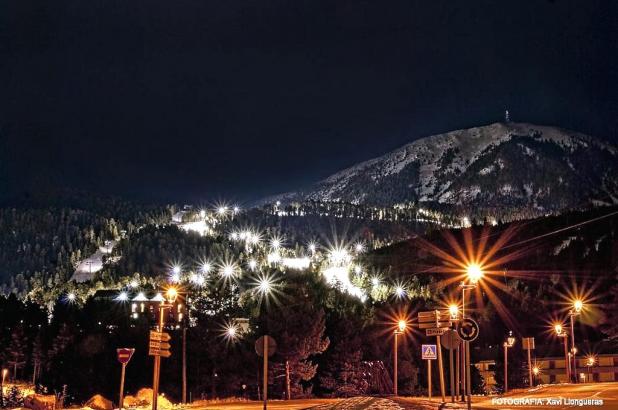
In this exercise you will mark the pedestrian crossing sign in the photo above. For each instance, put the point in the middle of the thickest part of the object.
(429, 352)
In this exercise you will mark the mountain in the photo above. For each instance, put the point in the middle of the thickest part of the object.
(515, 166)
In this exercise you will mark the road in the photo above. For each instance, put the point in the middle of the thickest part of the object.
(564, 397)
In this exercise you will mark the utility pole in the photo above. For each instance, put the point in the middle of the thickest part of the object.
(184, 364)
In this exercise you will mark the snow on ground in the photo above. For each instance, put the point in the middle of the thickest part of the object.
(92, 264)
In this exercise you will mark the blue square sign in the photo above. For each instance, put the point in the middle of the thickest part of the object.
(429, 352)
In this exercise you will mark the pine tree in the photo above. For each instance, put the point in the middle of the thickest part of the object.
(37, 357)
(16, 350)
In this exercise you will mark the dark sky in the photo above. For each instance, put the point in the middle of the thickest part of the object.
(196, 100)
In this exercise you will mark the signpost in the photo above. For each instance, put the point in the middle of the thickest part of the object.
(158, 347)
(124, 355)
(265, 347)
(450, 340)
(435, 325)
(428, 352)
(468, 330)
(528, 344)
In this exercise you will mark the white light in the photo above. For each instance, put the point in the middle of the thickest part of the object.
(175, 278)
(400, 291)
(227, 271)
(202, 214)
(133, 284)
(234, 236)
(222, 210)
(252, 264)
(206, 267)
(357, 270)
(337, 276)
(122, 297)
(359, 248)
(176, 270)
(273, 257)
(275, 243)
(71, 296)
(375, 281)
(339, 256)
(312, 247)
(236, 209)
(265, 286)
(296, 263)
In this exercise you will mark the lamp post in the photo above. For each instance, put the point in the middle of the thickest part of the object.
(535, 372)
(453, 311)
(4, 373)
(474, 273)
(170, 295)
(510, 341)
(560, 332)
(401, 327)
(590, 362)
(578, 305)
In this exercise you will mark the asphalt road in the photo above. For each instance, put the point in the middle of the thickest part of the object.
(546, 397)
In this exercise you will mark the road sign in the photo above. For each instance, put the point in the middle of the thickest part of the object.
(450, 340)
(468, 330)
(259, 346)
(528, 343)
(429, 352)
(436, 332)
(159, 345)
(160, 336)
(124, 354)
(162, 353)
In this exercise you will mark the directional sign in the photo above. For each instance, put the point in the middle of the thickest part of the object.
(450, 340)
(124, 354)
(159, 345)
(528, 343)
(160, 336)
(429, 352)
(433, 325)
(468, 330)
(259, 346)
(429, 316)
(436, 332)
(162, 353)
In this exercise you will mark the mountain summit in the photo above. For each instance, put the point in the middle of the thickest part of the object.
(514, 166)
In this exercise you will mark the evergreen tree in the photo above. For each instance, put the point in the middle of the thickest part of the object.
(16, 350)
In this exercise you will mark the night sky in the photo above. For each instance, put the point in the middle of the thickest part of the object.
(204, 100)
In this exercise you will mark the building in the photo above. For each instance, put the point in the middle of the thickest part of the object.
(604, 369)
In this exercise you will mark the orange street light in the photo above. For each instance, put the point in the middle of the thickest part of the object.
(474, 273)
(453, 310)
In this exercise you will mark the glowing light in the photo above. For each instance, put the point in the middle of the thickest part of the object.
(71, 297)
(359, 247)
(198, 279)
(339, 256)
(265, 285)
(590, 361)
(296, 263)
(236, 209)
(312, 247)
(536, 370)
(375, 281)
(474, 272)
(228, 270)
(175, 277)
(402, 325)
(252, 264)
(171, 294)
(578, 305)
(202, 213)
(358, 269)
(337, 276)
(206, 267)
(133, 284)
(275, 243)
(273, 257)
(222, 210)
(122, 297)
(234, 236)
(558, 329)
(200, 227)
(400, 292)
(453, 310)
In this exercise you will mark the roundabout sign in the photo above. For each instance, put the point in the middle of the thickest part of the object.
(467, 330)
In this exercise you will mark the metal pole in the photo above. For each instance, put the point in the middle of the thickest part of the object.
(157, 365)
(457, 371)
(574, 375)
(287, 379)
(452, 376)
(469, 398)
(184, 364)
(120, 401)
(566, 360)
(529, 367)
(441, 369)
(506, 369)
(265, 388)
(429, 378)
(463, 350)
(395, 392)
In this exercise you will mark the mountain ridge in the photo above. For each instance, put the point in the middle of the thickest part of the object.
(514, 165)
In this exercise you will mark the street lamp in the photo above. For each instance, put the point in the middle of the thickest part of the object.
(510, 341)
(170, 297)
(401, 328)
(560, 332)
(535, 372)
(4, 373)
(578, 305)
(474, 273)
(590, 361)
(453, 311)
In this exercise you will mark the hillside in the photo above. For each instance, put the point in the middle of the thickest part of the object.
(497, 170)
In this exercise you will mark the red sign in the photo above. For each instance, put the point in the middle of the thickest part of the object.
(124, 355)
